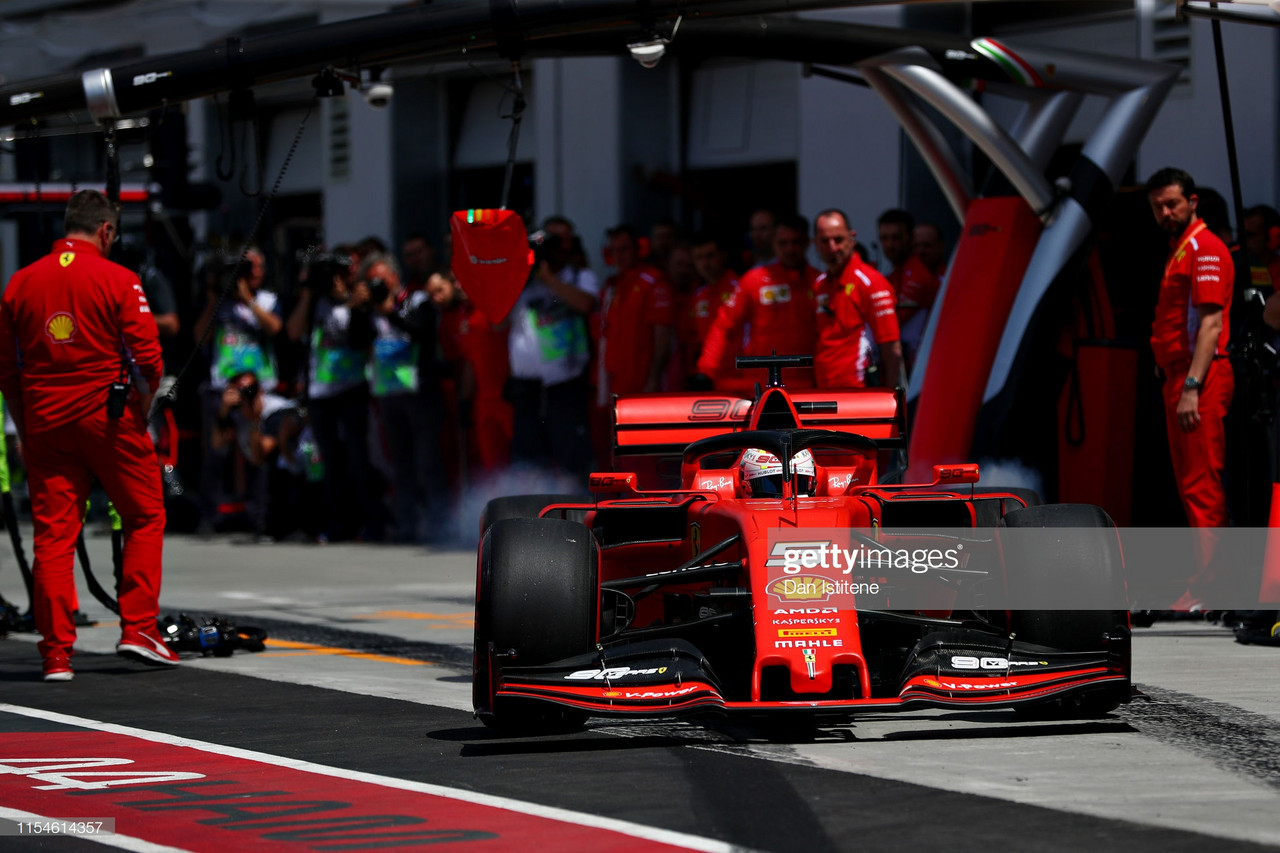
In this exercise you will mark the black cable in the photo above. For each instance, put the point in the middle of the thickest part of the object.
(1233, 164)
(252, 156)
(513, 140)
(113, 165)
(226, 139)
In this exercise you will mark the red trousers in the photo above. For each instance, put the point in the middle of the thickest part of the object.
(62, 463)
(491, 432)
(1200, 456)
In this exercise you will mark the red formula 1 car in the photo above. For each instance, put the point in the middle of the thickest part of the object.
(673, 592)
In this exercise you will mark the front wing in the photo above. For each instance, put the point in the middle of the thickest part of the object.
(672, 678)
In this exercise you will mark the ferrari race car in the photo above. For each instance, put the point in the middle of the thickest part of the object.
(695, 580)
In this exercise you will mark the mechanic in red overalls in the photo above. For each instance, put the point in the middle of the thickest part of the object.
(638, 320)
(477, 350)
(1189, 338)
(73, 324)
(771, 311)
(852, 298)
(716, 285)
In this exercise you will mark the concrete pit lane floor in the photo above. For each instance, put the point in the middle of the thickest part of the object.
(353, 731)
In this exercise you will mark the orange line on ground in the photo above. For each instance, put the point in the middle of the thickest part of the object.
(297, 649)
(451, 620)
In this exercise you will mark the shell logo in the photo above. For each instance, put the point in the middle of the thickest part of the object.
(800, 588)
(66, 258)
(61, 328)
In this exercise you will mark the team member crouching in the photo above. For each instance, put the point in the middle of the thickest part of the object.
(78, 376)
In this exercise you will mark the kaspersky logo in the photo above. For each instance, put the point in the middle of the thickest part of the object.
(61, 328)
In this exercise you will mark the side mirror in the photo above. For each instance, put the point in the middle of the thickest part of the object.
(946, 475)
(613, 484)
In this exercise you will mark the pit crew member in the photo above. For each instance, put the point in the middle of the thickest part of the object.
(852, 299)
(1189, 338)
(80, 360)
(771, 311)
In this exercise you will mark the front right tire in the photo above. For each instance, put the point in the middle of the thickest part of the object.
(537, 602)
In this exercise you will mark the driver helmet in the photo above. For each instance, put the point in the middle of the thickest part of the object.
(762, 474)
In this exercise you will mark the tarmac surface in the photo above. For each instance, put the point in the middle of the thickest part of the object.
(353, 731)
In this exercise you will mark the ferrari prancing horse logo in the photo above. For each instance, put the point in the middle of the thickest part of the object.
(66, 258)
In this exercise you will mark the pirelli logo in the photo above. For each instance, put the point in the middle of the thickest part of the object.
(807, 632)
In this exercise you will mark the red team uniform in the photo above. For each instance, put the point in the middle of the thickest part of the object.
(696, 318)
(914, 284)
(66, 323)
(859, 300)
(466, 335)
(772, 310)
(1199, 272)
(637, 299)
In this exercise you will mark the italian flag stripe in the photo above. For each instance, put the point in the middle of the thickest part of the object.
(1015, 66)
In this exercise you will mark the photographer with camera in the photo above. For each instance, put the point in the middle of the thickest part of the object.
(549, 350)
(246, 321)
(336, 320)
(268, 429)
(407, 392)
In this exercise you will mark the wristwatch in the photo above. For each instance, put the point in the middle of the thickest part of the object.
(1192, 384)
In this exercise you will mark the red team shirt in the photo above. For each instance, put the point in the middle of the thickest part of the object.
(1198, 273)
(59, 344)
(859, 299)
(773, 309)
(467, 335)
(638, 299)
(696, 317)
(914, 283)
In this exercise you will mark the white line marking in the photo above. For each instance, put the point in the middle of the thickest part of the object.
(649, 833)
(113, 839)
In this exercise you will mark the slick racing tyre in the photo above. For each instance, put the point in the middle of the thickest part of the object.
(536, 603)
(989, 512)
(1086, 566)
(524, 506)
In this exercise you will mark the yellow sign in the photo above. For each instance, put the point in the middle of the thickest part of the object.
(66, 258)
(695, 539)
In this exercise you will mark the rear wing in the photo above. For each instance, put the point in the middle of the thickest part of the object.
(651, 431)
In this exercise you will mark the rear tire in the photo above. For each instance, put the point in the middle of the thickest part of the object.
(536, 603)
(523, 506)
(1091, 563)
(989, 514)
